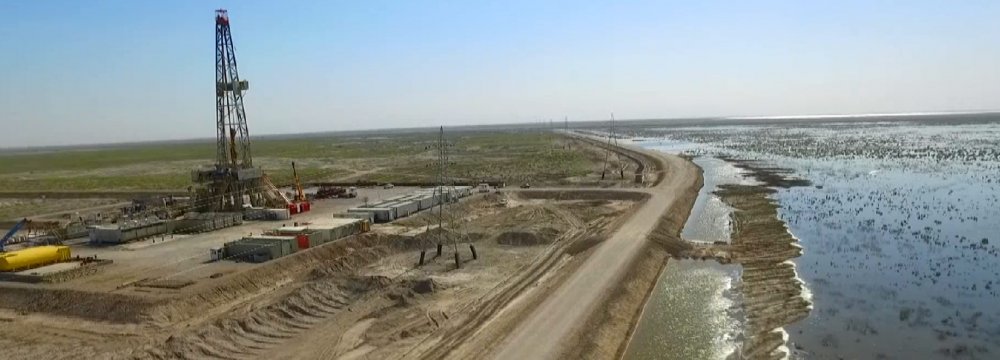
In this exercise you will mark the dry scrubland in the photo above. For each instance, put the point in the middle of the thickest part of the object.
(513, 156)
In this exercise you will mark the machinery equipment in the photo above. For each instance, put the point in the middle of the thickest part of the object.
(10, 234)
(327, 192)
(33, 257)
(233, 183)
(300, 201)
(300, 196)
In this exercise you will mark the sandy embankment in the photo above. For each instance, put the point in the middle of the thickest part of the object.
(609, 329)
(591, 313)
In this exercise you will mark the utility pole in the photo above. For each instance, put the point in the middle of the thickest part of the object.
(607, 152)
(566, 130)
(621, 164)
(442, 168)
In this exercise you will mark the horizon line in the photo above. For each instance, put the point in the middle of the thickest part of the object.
(735, 117)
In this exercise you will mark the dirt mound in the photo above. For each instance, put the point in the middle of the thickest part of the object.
(424, 286)
(330, 287)
(165, 283)
(245, 335)
(528, 238)
(406, 292)
(97, 306)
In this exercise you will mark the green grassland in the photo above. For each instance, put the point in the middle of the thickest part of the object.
(514, 156)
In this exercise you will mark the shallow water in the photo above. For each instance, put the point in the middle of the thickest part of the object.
(690, 314)
(900, 233)
(693, 312)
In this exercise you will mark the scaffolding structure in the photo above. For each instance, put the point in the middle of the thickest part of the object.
(233, 183)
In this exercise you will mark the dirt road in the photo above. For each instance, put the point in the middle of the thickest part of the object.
(544, 333)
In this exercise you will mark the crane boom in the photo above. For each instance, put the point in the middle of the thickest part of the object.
(17, 227)
(300, 195)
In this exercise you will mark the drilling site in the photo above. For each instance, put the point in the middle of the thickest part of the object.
(512, 243)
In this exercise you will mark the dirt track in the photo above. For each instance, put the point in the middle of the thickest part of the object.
(545, 333)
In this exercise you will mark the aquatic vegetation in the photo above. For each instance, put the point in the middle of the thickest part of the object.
(898, 226)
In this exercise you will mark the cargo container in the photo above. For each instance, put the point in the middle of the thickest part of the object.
(117, 234)
(217, 253)
(202, 222)
(339, 228)
(363, 215)
(405, 207)
(313, 237)
(268, 214)
(261, 248)
(303, 241)
(379, 214)
(33, 257)
(426, 201)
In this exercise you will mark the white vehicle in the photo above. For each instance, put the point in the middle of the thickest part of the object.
(388, 186)
(484, 188)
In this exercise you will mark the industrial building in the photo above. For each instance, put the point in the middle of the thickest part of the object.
(284, 241)
(201, 222)
(405, 205)
(128, 231)
(260, 248)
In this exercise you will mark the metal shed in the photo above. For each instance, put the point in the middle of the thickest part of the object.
(379, 214)
(117, 234)
(260, 248)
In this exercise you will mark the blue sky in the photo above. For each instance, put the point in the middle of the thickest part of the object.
(112, 71)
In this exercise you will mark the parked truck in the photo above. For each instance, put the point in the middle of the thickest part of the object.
(329, 192)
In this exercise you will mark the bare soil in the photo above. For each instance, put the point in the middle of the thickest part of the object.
(364, 296)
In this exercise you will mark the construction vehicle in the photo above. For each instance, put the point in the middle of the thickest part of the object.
(10, 234)
(300, 202)
(331, 192)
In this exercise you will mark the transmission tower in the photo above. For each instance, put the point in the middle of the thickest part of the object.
(612, 142)
(442, 186)
(234, 182)
(621, 163)
(607, 149)
(442, 175)
(566, 130)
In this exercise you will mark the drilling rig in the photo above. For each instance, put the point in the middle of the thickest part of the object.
(233, 183)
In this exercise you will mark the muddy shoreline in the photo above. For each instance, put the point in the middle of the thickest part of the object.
(772, 294)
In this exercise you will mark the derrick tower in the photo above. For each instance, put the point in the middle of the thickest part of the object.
(233, 183)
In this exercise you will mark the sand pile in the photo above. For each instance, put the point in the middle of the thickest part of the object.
(116, 308)
(528, 238)
(329, 289)
(245, 334)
